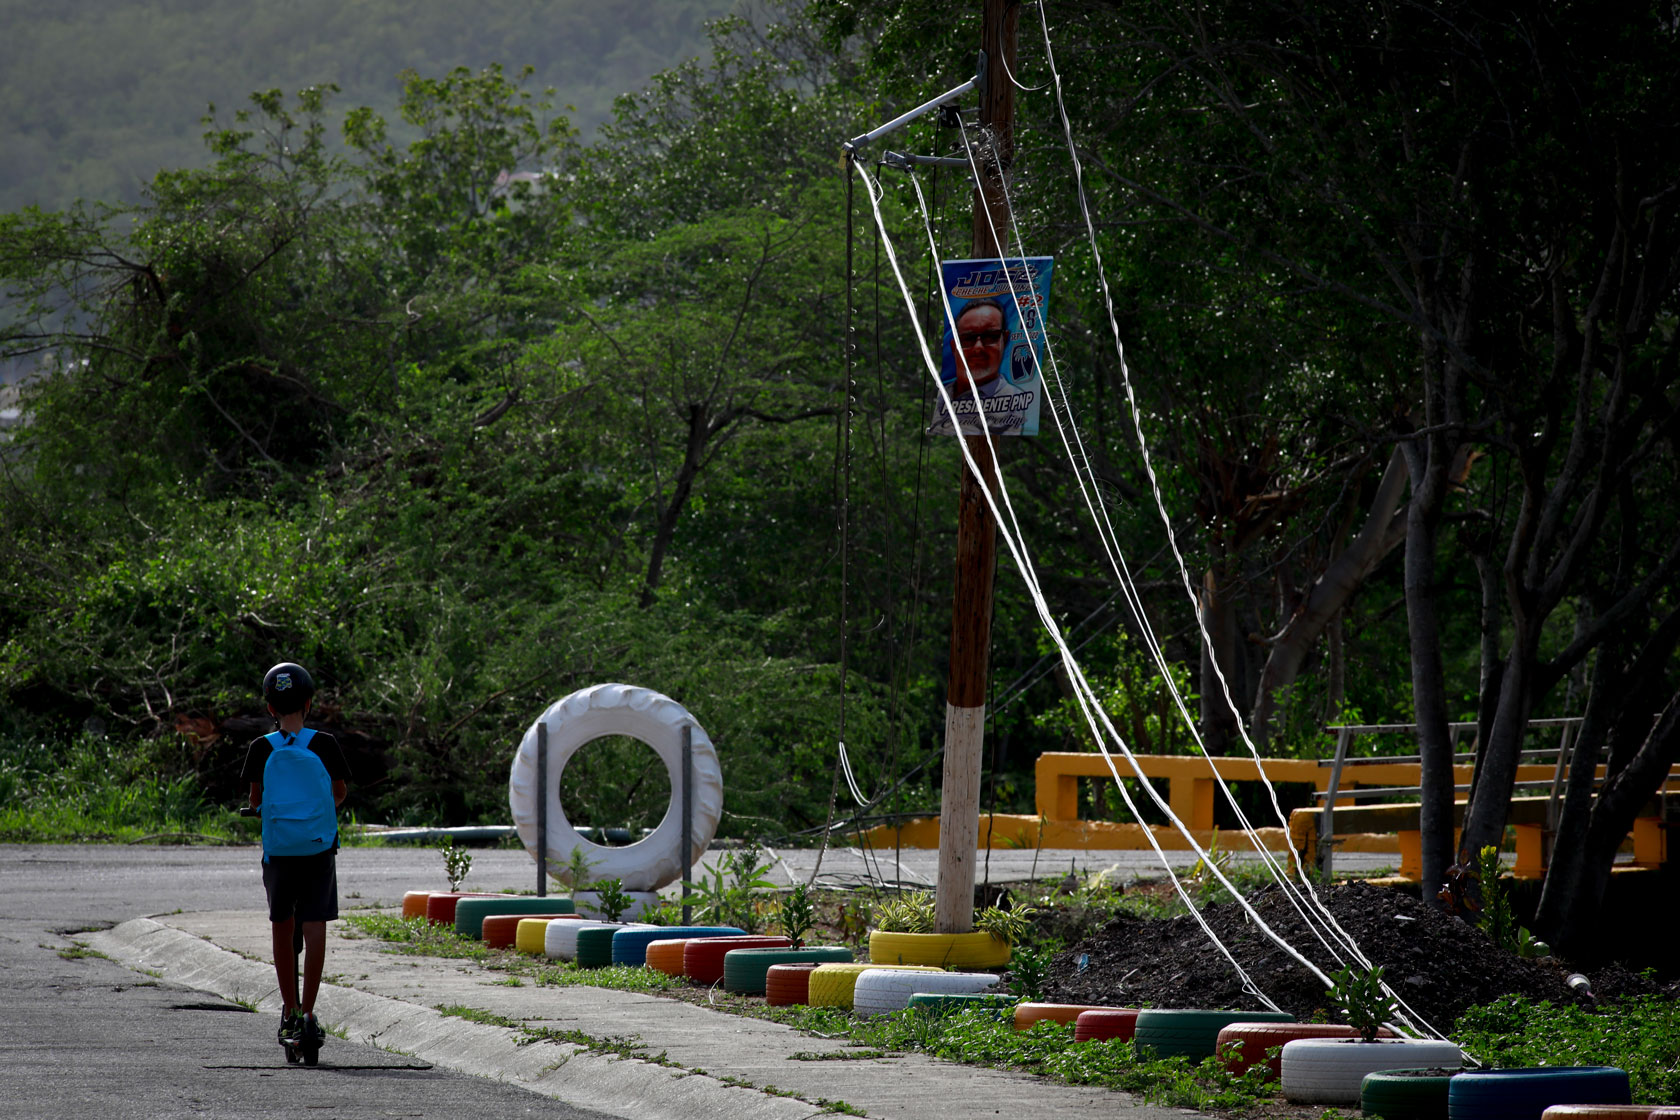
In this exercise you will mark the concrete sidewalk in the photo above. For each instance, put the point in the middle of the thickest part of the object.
(688, 1061)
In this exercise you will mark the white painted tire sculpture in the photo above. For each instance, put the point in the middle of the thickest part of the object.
(881, 991)
(640, 713)
(1330, 1070)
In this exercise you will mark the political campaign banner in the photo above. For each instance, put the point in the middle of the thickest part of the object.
(994, 356)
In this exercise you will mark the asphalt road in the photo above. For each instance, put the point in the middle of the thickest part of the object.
(84, 1037)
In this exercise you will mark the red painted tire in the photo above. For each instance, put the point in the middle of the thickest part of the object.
(1243, 1045)
(440, 906)
(787, 985)
(501, 930)
(1105, 1022)
(703, 956)
(1028, 1014)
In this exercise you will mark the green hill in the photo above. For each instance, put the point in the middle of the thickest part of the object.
(95, 98)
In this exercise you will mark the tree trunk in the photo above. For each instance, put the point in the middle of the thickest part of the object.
(1220, 732)
(1344, 575)
(1427, 465)
(1498, 756)
(670, 512)
(1576, 912)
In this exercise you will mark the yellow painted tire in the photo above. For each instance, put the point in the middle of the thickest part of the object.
(940, 950)
(530, 936)
(832, 985)
(501, 931)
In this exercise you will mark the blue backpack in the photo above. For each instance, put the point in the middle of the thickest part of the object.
(298, 814)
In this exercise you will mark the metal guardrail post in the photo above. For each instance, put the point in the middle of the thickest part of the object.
(1327, 821)
(542, 809)
(687, 816)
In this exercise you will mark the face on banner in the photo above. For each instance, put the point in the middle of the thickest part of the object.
(992, 357)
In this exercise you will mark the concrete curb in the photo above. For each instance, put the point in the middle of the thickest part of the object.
(628, 1087)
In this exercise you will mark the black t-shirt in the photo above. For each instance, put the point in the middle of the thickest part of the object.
(323, 743)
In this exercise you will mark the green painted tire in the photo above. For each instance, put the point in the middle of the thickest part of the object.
(595, 944)
(471, 912)
(1406, 1094)
(747, 970)
(1193, 1034)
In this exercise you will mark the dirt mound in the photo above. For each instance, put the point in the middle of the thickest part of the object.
(1440, 965)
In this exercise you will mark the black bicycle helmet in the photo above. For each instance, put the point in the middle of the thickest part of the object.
(287, 687)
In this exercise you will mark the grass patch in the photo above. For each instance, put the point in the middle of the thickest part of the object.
(88, 791)
(419, 937)
(1640, 1035)
(620, 977)
(79, 952)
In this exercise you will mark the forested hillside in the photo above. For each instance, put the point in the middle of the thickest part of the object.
(96, 98)
(1393, 314)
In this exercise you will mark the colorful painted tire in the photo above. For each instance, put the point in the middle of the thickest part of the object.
(531, 933)
(595, 944)
(941, 950)
(1243, 1045)
(787, 985)
(618, 709)
(992, 1005)
(1331, 1070)
(629, 946)
(666, 955)
(1406, 1094)
(747, 970)
(414, 904)
(560, 938)
(1105, 1023)
(501, 931)
(471, 912)
(1525, 1094)
(1193, 1033)
(703, 956)
(440, 905)
(1610, 1112)
(1029, 1015)
(832, 984)
(884, 991)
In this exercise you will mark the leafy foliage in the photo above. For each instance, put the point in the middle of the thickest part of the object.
(1641, 1036)
(1359, 996)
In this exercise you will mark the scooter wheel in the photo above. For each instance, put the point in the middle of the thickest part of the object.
(292, 1055)
(311, 1054)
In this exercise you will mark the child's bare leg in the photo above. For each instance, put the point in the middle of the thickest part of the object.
(285, 962)
(314, 960)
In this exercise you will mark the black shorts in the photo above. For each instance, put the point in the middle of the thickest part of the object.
(302, 887)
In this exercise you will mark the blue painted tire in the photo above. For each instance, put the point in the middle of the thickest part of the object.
(1524, 1094)
(629, 946)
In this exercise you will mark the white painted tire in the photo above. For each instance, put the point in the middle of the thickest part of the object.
(640, 713)
(1331, 1070)
(881, 991)
(560, 940)
(642, 903)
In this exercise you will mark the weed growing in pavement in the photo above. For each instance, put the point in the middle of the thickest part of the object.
(621, 977)
(1640, 1035)
(457, 862)
(418, 936)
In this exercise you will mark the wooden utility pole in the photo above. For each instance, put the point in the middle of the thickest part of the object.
(971, 609)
